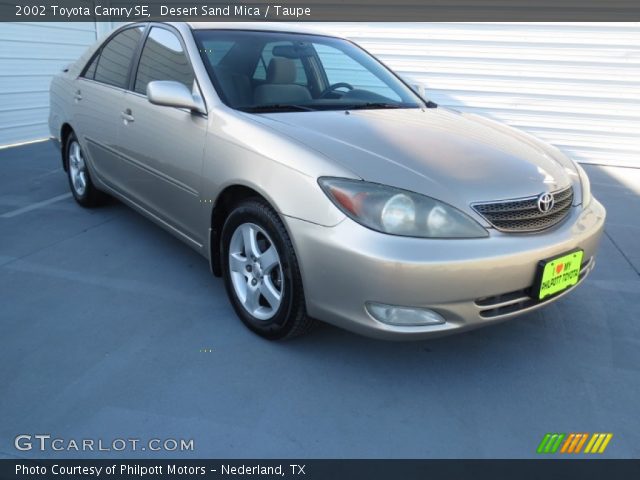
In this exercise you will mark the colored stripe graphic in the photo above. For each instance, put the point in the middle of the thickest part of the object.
(573, 443)
(598, 443)
(550, 443)
(544, 441)
(556, 445)
(605, 443)
(567, 442)
(581, 442)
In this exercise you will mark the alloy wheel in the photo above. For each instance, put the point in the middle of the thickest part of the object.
(256, 271)
(77, 169)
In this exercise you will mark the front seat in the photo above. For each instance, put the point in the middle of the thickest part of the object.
(280, 87)
(236, 86)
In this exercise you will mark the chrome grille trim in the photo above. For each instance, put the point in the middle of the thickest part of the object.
(522, 214)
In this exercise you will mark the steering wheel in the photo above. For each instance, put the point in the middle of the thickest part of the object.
(335, 86)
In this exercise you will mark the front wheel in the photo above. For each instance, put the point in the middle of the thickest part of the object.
(82, 188)
(261, 273)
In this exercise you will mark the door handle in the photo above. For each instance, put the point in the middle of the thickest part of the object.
(127, 116)
(78, 95)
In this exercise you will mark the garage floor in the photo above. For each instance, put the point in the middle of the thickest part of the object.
(106, 323)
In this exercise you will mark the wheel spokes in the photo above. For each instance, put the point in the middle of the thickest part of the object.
(269, 259)
(256, 275)
(252, 300)
(270, 293)
(238, 263)
(77, 169)
(250, 239)
(73, 154)
(80, 160)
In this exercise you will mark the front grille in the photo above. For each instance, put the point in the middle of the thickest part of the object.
(523, 214)
(513, 302)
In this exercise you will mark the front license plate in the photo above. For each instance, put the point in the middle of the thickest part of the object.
(559, 273)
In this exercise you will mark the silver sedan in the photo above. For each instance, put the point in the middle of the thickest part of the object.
(318, 184)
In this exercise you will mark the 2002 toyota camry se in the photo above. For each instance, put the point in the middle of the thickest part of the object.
(318, 184)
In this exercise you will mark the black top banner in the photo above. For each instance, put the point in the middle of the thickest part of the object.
(318, 11)
(320, 469)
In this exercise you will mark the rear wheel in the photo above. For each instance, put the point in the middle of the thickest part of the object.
(82, 188)
(261, 272)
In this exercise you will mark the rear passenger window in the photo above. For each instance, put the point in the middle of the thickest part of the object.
(163, 59)
(115, 58)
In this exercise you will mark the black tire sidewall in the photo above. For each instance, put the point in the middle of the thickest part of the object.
(282, 322)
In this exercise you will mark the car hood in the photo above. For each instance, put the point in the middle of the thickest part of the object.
(457, 158)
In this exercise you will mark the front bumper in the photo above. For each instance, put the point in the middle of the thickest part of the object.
(470, 282)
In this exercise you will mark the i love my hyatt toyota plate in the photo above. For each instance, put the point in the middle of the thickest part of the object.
(559, 273)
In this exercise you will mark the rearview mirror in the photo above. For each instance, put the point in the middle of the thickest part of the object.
(298, 50)
(173, 94)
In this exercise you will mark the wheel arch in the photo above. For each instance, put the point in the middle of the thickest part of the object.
(229, 197)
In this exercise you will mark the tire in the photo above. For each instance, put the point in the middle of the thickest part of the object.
(82, 188)
(266, 293)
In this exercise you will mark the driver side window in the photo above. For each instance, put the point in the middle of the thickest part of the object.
(163, 59)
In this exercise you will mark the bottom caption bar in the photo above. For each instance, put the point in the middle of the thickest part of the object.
(319, 469)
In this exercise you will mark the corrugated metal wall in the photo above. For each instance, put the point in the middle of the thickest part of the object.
(574, 85)
(30, 54)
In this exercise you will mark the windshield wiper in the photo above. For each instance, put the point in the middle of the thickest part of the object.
(374, 105)
(277, 107)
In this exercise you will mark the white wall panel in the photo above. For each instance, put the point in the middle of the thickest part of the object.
(30, 54)
(574, 85)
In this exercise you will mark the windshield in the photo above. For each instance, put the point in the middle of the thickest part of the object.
(264, 72)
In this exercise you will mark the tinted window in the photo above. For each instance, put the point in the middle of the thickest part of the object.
(341, 68)
(163, 59)
(91, 70)
(216, 50)
(266, 56)
(115, 58)
(275, 71)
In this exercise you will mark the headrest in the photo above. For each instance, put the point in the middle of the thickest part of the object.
(281, 70)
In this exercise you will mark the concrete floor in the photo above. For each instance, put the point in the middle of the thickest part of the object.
(104, 318)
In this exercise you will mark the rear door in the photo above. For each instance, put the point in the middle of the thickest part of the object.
(98, 103)
(164, 143)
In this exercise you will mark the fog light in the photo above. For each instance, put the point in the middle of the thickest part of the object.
(404, 316)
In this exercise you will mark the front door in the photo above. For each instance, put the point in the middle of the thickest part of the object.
(165, 144)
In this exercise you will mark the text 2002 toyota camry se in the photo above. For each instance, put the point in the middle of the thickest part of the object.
(318, 184)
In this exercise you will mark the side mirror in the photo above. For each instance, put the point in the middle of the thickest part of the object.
(173, 94)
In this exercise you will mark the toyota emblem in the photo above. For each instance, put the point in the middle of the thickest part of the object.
(545, 202)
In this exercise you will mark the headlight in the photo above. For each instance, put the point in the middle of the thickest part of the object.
(398, 212)
(585, 185)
